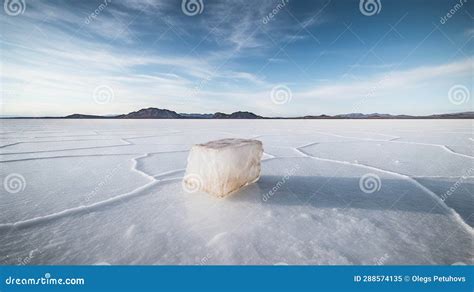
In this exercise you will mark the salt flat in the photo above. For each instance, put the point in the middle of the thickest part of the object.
(331, 192)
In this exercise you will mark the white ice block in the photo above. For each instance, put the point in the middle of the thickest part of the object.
(224, 166)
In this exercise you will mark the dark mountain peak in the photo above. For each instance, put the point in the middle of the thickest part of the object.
(236, 115)
(151, 113)
(220, 115)
(244, 115)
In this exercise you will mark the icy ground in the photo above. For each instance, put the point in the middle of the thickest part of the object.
(331, 192)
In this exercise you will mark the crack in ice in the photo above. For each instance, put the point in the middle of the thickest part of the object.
(450, 210)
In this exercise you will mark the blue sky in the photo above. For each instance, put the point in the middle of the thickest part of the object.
(310, 57)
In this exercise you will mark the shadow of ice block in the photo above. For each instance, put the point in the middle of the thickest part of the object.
(224, 166)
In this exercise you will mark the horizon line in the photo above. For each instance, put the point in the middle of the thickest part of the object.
(183, 114)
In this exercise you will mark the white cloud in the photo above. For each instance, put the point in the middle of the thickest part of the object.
(389, 82)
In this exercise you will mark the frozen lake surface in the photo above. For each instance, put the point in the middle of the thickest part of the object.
(331, 192)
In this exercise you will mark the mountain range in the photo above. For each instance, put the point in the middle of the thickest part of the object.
(156, 113)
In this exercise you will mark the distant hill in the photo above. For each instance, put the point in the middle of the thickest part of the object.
(236, 115)
(156, 113)
(363, 116)
(151, 113)
(80, 116)
(465, 115)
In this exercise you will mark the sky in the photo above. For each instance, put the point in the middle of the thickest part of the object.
(273, 58)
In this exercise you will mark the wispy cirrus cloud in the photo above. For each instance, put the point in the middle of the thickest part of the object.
(391, 81)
